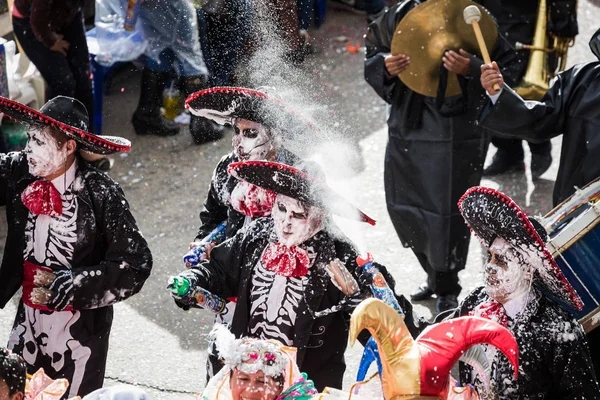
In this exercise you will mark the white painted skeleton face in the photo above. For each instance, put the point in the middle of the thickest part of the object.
(252, 141)
(507, 275)
(44, 155)
(295, 221)
(256, 386)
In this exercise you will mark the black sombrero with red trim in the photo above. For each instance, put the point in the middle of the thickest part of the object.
(223, 104)
(491, 214)
(69, 116)
(297, 184)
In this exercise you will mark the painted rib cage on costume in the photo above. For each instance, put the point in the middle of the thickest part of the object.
(258, 260)
(97, 239)
(78, 232)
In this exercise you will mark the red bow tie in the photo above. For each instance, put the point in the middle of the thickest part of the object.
(492, 310)
(42, 198)
(286, 261)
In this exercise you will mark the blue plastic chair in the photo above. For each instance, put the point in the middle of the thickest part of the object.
(100, 76)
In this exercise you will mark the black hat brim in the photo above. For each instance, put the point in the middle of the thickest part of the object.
(88, 141)
(297, 184)
(491, 214)
(223, 104)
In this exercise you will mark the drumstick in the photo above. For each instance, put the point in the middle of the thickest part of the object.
(472, 15)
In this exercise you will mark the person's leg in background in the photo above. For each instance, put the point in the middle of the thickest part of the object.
(53, 66)
(509, 156)
(147, 118)
(78, 58)
(541, 158)
(227, 35)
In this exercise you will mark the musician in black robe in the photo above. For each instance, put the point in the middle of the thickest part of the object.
(569, 108)
(431, 159)
(517, 23)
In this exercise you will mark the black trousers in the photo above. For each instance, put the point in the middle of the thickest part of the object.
(65, 75)
(66, 344)
(513, 148)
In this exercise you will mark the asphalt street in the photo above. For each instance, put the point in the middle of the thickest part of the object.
(161, 348)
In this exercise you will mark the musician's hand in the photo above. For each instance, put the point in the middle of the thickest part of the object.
(491, 75)
(460, 64)
(396, 64)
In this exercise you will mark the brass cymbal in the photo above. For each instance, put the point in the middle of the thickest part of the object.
(432, 28)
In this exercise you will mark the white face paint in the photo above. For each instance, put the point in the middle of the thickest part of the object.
(44, 155)
(295, 221)
(507, 275)
(252, 141)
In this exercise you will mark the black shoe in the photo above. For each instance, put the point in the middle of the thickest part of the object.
(540, 164)
(446, 302)
(204, 130)
(147, 118)
(502, 165)
(422, 293)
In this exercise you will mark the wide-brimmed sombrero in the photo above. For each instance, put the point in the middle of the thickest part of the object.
(69, 116)
(297, 184)
(491, 214)
(223, 104)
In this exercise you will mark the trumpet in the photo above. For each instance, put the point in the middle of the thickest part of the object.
(548, 57)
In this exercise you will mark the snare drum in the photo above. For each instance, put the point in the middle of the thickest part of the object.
(574, 231)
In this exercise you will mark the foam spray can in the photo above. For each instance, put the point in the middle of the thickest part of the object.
(217, 236)
(379, 287)
(203, 298)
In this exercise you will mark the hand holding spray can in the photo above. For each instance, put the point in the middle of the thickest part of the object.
(379, 287)
(217, 236)
(203, 298)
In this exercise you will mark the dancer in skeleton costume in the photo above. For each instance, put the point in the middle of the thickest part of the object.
(519, 276)
(294, 274)
(72, 244)
(260, 123)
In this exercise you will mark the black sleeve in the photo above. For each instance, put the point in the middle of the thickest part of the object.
(378, 42)
(214, 210)
(221, 274)
(8, 163)
(127, 261)
(531, 120)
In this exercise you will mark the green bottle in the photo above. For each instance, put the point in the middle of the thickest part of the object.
(180, 285)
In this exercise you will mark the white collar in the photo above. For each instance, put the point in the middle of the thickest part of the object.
(62, 182)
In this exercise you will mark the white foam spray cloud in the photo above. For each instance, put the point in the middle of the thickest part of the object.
(329, 143)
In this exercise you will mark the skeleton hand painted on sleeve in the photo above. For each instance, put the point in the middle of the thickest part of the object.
(62, 290)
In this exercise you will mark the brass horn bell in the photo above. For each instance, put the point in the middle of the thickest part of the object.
(430, 29)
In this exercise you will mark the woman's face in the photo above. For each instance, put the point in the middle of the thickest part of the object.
(256, 386)
(251, 141)
(44, 155)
